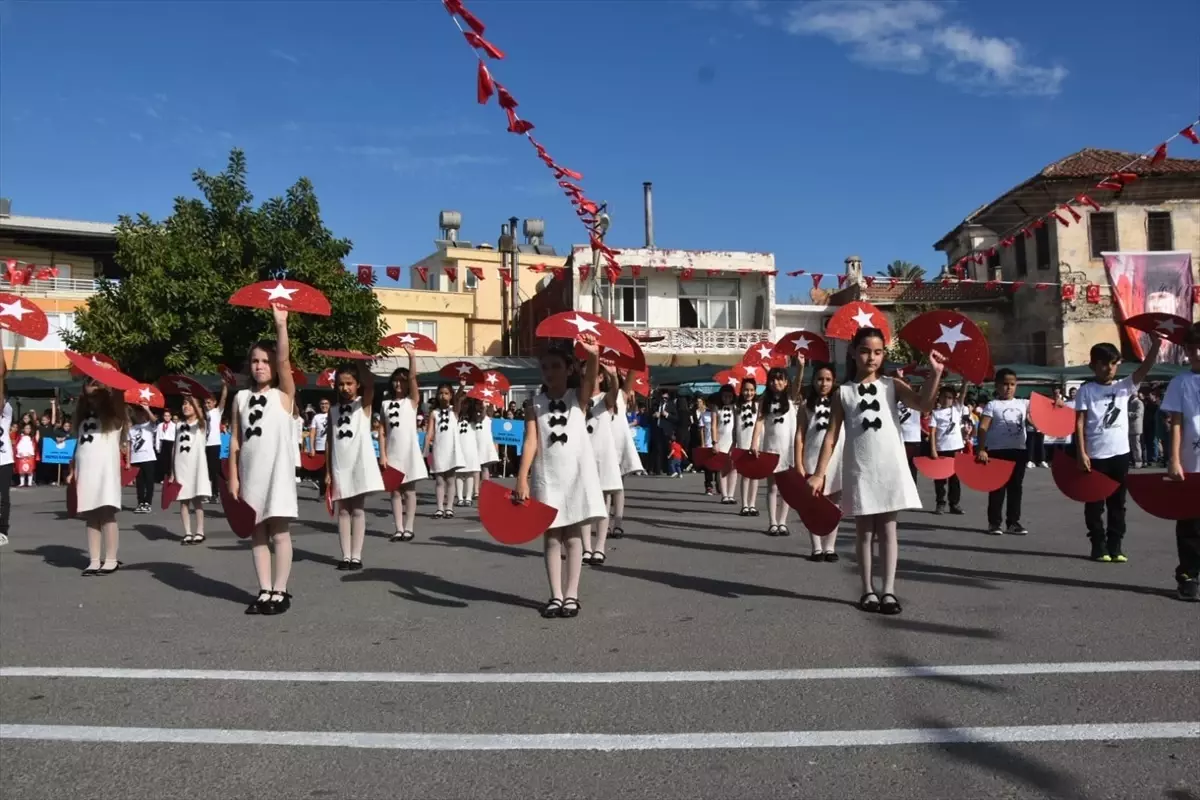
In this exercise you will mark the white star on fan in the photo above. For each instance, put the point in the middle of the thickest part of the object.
(765, 351)
(732, 381)
(492, 378)
(1168, 325)
(183, 385)
(464, 369)
(864, 318)
(145, 394)
(329, 375)
(486, 392)
(801, 343)
(279, 292)
(951, 336)
(582, 325)
(408, 338)
(14, 309)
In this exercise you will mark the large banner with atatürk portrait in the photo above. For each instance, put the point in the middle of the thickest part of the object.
(1147, 282)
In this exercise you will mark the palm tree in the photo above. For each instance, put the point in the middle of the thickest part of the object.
(904, 271)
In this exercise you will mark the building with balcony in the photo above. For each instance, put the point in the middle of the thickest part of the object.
(1159, 211)
(83, 252)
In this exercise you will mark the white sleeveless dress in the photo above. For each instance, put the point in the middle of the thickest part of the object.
(97, 467)
(266, 457)
(875, 476)
(354, 466)
(604, 447)
(485, 446)
(467, 449)
(725, 423)
(779, 435)
(743, 425)
(403, 449)
(191, 463)
(445, 453)
(814, 439)
(627, 453)
(563, 474)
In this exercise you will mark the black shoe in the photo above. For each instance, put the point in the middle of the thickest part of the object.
(1099, 552)
(279, 603)
(617, 533)
(957, 510)
(552, 608)
(598, 559)
(355, 566)
(570, 608)
(831, 557)
(869, 602)
(89, 572)
(753, 511)
(587, 557)
(1188, 589)
(816, 556)
(344, 565)
(940, 509)
(889, 606)
(109, 570)
(995, 530)
(259, 603)
(1017, 529)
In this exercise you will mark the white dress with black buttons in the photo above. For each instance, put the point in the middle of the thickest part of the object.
(563, 474)
(627, 452)
(814, 439)
(725, 424)
(445, 455)
(354, 466)
(743, 425)
(97, 467)
(875, 476)
(604, 448)
(468, 448)
(403, 447)
(266, 455)
(779, 434)
(485, 446)
(191, 462)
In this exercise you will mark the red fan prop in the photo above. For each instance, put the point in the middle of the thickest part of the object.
(849, 318)
(145, 394)
(76, 372)
(346, 355)
(611, 357)
(241, 517)
(1049, 419)
(755, 467)
(982, 477)
(170, 491)
(414, 341)
(701, 456)
(101, 371)
(325, 378)
(182, 384)
(1169, 326)
(818, 513)
(22, 317)
(393, 479)
(462, 371)
(312, 462)
(954, 336)
(486, 395)
(936, 469)
(72, 500)
(228, 376)
(726, 378)
(1082, 487)
(1164, 498)
(495, 380)
(129, 475)
(298, 377)
(805, 343)
(292, 295)
(720, 462)
(641, 383)
(573, 324)
(746, 372)
(509, 521)
(764, 355)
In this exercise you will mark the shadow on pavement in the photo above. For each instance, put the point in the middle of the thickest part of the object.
(991, 550)
(896, 660)
(157, 533)
(185, 579)
(936, 628)
(483, 545)
(59, 555)
(713, 547)
(415, 585)
(916, 570)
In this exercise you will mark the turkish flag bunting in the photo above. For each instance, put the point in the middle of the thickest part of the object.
(661, 268)
(584, 272)
(484, 85)
(991, 285)
(393, 273)
(423, 272)
(1016, 285)
(1039, 223)
(870, 279)
(687, 273)
(1070, 210)
(366, 275)
(1007, 241)
(506, 276)
(613, 272)
(516, 124)
(1110, 184)
(452, 274)
(1093, 293)
(480, 43)
(1160, 154)
(841, 280)
(456, 7)
(558, 273)
(945, 283)
(918, 283)
(1040, 286)
(538, 268)
(795, 273)
(1087, 201)
(1061, 219)
(711, 272)
(477, 272)
(504, 98)
(1190, 135)
(1028, 233)
(636, 270)
(560, 172)
(816, 279)
(892, 282)
(1068, 291)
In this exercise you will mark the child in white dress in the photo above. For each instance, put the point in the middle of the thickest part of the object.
(262, 463)
(875, 479)
(816, 415)
(400, 448)
(26, 449)
(467, 477)
(608, 462)
(189, 468)
(776, 432)
(724, 416)
(96, 471)
(628, 459)
(485, 446)
(743, 439)
(558, 469)
(441, 445)
(351, 469)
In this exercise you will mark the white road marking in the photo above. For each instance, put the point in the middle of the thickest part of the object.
(819, 674)
(606, 742)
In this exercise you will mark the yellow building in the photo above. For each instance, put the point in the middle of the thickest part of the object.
(82, 252)
(460, 297)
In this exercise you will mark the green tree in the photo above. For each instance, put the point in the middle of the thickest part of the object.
(904, 271)
(170, 311)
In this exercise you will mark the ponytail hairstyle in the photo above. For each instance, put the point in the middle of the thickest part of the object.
(774, 402)
(812, 396)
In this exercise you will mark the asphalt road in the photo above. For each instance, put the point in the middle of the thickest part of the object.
(709, 661)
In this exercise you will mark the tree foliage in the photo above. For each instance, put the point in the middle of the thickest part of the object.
(904, 270)
(170, 311)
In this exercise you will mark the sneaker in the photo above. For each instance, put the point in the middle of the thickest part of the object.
(1043, 465)
(3, 539)
(1188, 589)
(1030, 465)
(956, 510)
(1017, 529)
(1119, 558)
(1098, 552)
(995, 530)
(1106, 558)
(940, 509)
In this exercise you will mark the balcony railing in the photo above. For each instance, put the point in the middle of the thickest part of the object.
(79, 287)
(698, 340)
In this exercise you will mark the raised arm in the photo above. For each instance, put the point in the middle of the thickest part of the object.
(366, 379)
(614, 388)
(414, 385)
(929, 389)
(1143, 371)
(591, 374)
(283, 361)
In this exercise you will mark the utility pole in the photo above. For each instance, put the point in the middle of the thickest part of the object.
(514, 287)
(507, 246)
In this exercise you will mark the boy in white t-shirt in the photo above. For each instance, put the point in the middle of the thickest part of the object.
(1102, 442)
(946, 441)
(1002, 435)
(1182, 406)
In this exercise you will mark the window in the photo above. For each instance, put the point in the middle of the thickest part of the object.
(627, 304)
(1041, 240)
(708, 304)
(1040, 353)
(425, 327)
(58, 325)
(1022, 256)
(1102, 227)
(470, 280)
(1159, 235)
(993, 261)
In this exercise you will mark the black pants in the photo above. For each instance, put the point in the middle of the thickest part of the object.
(212, 454)
(939, 487)
(710, 479)
(1116, 468)
(1035, 448)
(6, 478)
(166, 459)
(1187, 540)
(912, 450)
(1011, 490)
(145, 483)
(658, 451)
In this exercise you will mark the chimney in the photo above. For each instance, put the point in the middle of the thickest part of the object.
(5, 207)
(534, 230)
(854, 272)
(450, 222)
(648, 202)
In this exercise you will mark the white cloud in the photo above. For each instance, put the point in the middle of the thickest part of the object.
(915, 36)
(137, 137)
(282, 56)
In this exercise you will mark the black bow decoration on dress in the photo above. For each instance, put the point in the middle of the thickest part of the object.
(863, 405)
(346, 409)
(255, 416)
(558, 437)
(250, 434)
(868, 424)
(82, 440)
(554, 422)
(260, 400)
(590, 428)
(779, 420)
(558, 406)
(864, 389)
(345, 434)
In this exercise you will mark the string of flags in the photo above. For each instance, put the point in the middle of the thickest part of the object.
(21, 273)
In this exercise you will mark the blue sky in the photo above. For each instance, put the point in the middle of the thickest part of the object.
(811, 130)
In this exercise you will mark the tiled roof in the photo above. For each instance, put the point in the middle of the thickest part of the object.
(1093, 163)
(930, 293)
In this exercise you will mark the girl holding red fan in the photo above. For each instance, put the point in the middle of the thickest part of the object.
(441, 444)
(96, 471)
(875, 480)
(724, 416)
(351, 470)
(262, 463)
(1182, 405)
(485, 446)
(608, 466)
(467, 478)
(400, 449)
(777, 432)
(189, 468)
(817, 416)
(559, 469)
(743, 439)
